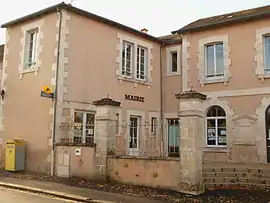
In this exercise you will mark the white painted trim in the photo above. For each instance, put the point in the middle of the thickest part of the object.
(136, 42)
(201, 59)
(169, 50)
(141, 134)
(34, 25)
(259, 57)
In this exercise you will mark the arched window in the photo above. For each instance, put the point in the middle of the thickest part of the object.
(216, 127)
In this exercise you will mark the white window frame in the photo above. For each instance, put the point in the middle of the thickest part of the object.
(169, 52)
(124, 71)
(201, 59)
(266, 69)
(83, 136)
(139, 63)
(35, 25)
(215, 77)
(32, 63)
(216, 118)
(149, 59)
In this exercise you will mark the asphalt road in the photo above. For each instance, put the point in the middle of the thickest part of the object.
(8, 196)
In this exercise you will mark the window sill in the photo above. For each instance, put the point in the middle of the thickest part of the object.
(70, 144)
(173, 74)
(264, 76)
(127, 79)
(32, 69)
(215, 80)
(220, 149)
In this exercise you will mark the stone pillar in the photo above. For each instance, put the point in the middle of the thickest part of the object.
(105, 133)
(191, 142)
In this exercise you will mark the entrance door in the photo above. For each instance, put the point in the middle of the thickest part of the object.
(267, 125)
(134, 136)
(173, 137)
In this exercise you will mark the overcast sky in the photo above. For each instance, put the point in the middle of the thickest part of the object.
(160, 17)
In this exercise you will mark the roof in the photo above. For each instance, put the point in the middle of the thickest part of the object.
(2, 52)
(83, 13)
(170, 39)
(226, 19)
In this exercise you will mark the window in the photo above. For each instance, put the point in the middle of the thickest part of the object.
(31, 48)
(173, 62)
(83, 131)
(154, 125)
(133, 133)
(173, 138)
(216, 127)
(141, 63)
(214, 60)
(127, 54)
(267, 54)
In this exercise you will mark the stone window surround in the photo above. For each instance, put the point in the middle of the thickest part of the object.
(229, 116)
(35, 25)
(141, 115)
(201, 59)
(165, 129)
(169, 50)
(259, 57)
(136, 42)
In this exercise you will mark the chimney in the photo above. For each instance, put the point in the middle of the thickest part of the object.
(144, 30)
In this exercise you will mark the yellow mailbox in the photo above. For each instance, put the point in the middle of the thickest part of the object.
(15, 155)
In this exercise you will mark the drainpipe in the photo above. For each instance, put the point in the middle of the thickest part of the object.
(161, 101)
(55, 94)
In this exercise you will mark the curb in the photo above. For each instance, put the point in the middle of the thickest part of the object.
(51, 193)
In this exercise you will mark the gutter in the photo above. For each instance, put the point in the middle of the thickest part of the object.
(56, 94)
(161, 102)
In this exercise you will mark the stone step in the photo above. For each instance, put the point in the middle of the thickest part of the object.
(238, 170)
(236, 174)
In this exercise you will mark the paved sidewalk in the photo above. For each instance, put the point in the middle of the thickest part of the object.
(73, 191)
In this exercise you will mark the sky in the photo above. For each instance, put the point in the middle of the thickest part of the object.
(160, 17)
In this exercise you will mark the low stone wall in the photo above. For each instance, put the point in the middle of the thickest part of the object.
(80, 164)
(152, 172)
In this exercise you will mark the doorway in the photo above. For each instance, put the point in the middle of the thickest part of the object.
(267, 126)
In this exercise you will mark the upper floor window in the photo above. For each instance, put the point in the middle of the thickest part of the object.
(127, 54)
(141, 63)
(216, 127)
(214, 60)
(31, 48)
(267, 54)
(128, 64)
(173, 59)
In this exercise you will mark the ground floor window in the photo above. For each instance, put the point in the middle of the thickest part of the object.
(133, 133)
(173, 138)
(83, 130)
(216, 127)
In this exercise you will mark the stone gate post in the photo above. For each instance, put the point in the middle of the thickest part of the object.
(105, 133)
(191, 141)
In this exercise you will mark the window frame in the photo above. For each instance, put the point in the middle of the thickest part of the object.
(169, 52)
(124, 68)
(215, 76)
(138, 62)
(171, 62)
(264, 54)
(216, 118)
(153, 125)
(29, 65)
(84, 127)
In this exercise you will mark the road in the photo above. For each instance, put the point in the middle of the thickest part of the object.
(8, 196)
